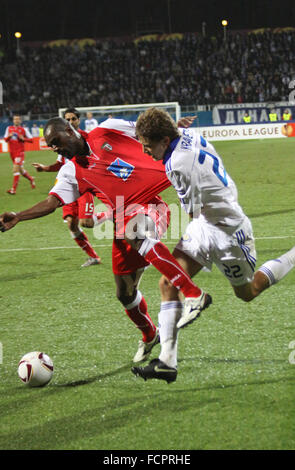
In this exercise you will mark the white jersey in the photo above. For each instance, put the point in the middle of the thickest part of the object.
(90, 124)
(203, 186)
(35, 132)
(66, 187)
(62, 159)
(125, 127)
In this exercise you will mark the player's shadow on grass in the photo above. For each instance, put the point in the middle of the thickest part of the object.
(96, 378)
(263, 214)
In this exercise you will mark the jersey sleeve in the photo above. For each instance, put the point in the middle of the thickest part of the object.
(6, 133)
(181, 171)
(66, 186)
(126, 127)
(28, 133)
(62, 159)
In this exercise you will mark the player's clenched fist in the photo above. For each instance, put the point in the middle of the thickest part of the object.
(39, 167)
(7, 221)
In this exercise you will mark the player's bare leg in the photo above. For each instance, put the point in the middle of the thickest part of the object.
(271, 272)
(26, 175)
(136, 308)
(82, 240)
(86, 223)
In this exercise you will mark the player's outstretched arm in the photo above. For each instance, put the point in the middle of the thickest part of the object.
(9, 219)
(186, 121)
(54, 167)
(39, 166)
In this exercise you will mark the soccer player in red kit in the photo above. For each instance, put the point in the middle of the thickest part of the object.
(80, 211)
(16, 136)
(110, 163)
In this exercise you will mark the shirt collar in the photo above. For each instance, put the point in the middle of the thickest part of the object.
(170, 149)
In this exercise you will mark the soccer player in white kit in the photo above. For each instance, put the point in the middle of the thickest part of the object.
(218, 233)
(90, 123)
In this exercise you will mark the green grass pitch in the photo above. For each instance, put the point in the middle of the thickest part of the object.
(235, 386)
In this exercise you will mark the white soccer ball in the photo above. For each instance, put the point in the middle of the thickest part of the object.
(35, 369)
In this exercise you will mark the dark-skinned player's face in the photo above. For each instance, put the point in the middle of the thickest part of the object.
(65, 143)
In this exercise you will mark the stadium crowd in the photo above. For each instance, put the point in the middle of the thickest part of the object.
(189, 68)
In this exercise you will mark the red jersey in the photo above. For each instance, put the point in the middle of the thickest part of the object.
(116, 170)
(17, 146)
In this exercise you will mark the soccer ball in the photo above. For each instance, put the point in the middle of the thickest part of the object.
(35, 369)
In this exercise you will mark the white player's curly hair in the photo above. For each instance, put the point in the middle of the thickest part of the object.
(154, 124)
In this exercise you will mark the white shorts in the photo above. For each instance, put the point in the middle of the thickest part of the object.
(233, 253)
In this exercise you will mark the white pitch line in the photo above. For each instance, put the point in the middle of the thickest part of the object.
(48, 248)
(6, 250)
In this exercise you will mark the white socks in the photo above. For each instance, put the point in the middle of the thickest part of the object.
(168, 317)
(135, 302)
(276, 269)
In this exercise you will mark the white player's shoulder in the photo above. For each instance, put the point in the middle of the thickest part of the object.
(108, 123)
(174, 163)
(184, 151)
(116, 123)
(125, 127)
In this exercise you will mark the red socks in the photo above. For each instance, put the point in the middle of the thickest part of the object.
(29, 177)
(15, 180)
(83, 242)
(156, 253)
(137, 312)
(16, 177)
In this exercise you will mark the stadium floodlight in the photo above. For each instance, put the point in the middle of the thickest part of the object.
(129, 112)
(224, 24)
(18, 35)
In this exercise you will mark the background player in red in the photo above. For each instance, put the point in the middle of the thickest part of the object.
(80, 211)
(16, 136)
(110, 163)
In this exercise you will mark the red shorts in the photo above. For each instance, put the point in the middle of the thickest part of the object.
(18, 158)
(125, 259)
(83, 208)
